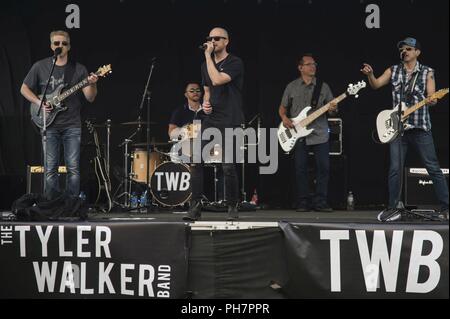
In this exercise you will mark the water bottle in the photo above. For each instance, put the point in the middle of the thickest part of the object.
(350, 201)
(143, 201)
(134, 200)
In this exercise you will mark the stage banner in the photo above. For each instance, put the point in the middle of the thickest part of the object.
(93, 260)
(367, 260)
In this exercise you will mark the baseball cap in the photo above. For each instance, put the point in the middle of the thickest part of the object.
(410, 42)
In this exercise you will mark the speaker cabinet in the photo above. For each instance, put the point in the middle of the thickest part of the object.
(419, 189)
(35, 178)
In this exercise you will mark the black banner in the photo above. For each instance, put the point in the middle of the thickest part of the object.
(93, 260)
(367, 260)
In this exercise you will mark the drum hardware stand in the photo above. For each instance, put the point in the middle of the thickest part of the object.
(147, 96)
(244, 147)
(126, 182)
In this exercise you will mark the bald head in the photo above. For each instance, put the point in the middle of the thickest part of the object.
(219, 32)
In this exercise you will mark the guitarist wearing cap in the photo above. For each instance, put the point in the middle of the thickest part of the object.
(66, 127)
(418, 83)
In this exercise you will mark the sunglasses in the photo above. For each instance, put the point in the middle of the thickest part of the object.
(310, 64)
(406, 49)
(217, 39)
(195, 91)
(57, 43)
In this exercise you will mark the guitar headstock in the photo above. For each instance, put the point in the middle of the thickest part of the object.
(440, 94)
(353, 89)
(104, 70)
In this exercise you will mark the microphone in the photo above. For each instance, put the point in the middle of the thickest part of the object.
(402, 55)
(202, 47)
(57, 52)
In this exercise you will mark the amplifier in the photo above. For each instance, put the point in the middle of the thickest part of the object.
(419, 190)
(35, 178)
(335, 131)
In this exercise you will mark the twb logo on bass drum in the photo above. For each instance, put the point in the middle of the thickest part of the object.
(173, 181)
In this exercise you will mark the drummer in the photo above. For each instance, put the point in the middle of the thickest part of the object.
(190, 111)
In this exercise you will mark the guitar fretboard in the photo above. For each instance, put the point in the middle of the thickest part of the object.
(73, 90)
(315, 115)
(438, 95)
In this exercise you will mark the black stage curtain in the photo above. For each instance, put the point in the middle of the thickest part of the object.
(268, 35)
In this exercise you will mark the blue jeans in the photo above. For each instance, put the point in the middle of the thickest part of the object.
(423, 142)
(70, 139)
(322, 156)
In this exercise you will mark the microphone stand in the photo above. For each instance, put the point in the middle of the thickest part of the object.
(147, 95)
(44, 116)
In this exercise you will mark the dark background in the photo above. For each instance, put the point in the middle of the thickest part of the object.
(268, 35)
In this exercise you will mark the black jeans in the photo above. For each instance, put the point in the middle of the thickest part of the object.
(321, 154)
(229, 174)
(423, 142)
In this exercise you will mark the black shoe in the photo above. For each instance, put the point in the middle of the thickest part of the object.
(443, 214)
(302, 209)
(324, 208)
(194, 212)
(233, 212)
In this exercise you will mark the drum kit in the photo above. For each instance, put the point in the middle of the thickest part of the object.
(160, 169)
(163, 164)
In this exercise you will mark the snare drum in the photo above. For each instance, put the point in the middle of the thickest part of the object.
(139, 165)
(171, 184)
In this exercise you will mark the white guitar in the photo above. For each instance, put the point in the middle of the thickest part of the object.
(288, 137)
(387, 121)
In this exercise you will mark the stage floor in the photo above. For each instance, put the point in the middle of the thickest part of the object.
(268, 216)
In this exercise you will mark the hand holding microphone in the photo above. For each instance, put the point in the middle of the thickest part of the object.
(208, 47)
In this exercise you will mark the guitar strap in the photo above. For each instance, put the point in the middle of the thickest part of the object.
(316, 93)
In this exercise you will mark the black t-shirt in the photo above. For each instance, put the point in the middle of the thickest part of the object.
(37, 78)
(184, 115)
(226, 100)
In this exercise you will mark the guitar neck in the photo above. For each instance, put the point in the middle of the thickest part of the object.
(73, 89)
(315, 115)
(414, 108)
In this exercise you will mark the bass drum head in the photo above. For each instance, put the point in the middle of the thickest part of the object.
(171, 184)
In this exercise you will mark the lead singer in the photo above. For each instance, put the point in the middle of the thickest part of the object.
(222, 79)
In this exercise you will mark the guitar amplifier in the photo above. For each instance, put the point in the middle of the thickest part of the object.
(35, 178)
(419, 190)
(335, 131)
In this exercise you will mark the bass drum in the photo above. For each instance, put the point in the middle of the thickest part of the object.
(170, 184)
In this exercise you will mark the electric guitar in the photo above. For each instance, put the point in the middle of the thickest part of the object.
(57, 98)
(289, 136)
(104, 183)
(387, 121)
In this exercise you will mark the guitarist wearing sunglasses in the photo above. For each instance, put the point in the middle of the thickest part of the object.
(66, 128)
(418, 83)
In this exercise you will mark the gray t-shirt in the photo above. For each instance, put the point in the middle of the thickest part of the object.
(37, 78)
(301, 94)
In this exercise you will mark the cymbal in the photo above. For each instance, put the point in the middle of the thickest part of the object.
(151, 144)
(138, 123)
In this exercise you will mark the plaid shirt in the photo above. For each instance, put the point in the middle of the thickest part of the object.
(420, 118)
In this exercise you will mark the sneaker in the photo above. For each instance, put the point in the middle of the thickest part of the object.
(389, 215)
(194, 212)
(233, 212)
(324, 208)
